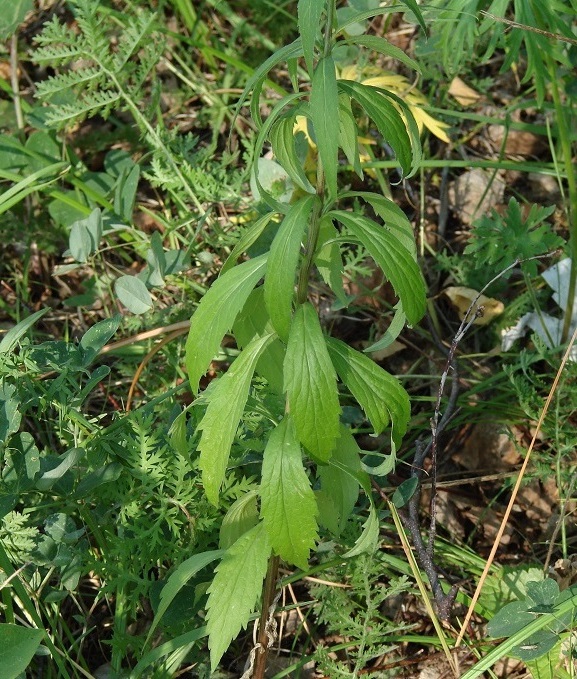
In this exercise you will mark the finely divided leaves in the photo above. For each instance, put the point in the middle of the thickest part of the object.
(288, 506)
(282, 265)
(234, 591)
(379, 394)
(225, 408)
(393, 257)
(311, 386)
(324, 110)
(216, 314)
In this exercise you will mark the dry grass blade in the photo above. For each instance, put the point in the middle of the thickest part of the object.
(515, 491)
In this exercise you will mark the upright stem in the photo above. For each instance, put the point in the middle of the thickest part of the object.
(268, 594)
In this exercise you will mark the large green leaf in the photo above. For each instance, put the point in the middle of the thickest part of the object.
(216, 314)
(288, 506)
(311, 386)
(282, 265)
(387, 117)
(379, 394)
(378, 44)
(349, 134)
(234, 591)
(225, 408)
(17, 647)
(329, 261)
(324, 111)
(393, 257)
(395, 220)
(255, 82)
(309, 14)
(338, 480)
(248, 238)
(178, 579)
(283, 145)
(254, 320)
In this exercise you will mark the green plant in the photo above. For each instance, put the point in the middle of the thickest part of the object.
(281, 338)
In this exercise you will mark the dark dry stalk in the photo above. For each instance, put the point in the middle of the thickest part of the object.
(266, 611)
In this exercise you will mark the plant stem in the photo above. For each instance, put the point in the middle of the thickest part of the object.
(268, 595)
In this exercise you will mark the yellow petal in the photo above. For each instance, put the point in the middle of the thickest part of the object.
(462, 298)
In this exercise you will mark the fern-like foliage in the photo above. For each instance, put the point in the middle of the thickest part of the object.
(104, 69)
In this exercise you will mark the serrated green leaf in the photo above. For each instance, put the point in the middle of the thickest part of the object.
(386, 116)
(392, 332)
(282, 265)
(378, 44)
(348, 134)
(255, 82)
(397, 263)
(133, 293)
(282, 139)
(288, 506)
(184, 572)
(309, 14)
(253, 320)
(17, 647)
(220, 422)
(310, 384)
(369, 538)
(216, 314)
(395, 220)
(324, 112)
(338, 477)
(234, 591)
(239, 519)
(329, 261)
(379, 394)
(248, 238)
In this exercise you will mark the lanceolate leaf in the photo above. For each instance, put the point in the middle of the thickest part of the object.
(311, 386)
(283, 146)
(324, 108)
(392, 256)
(392, 332)
(223, 414)
(394, 218)
(369, 538)
(234, 591)
(338, 480)
(329, 261)
(387, 118)
(282, 265)
(216, 313)
(377, 44)
(253, 320)
(288, 506)
(291, 51)
(248, 238)
(379, 394)
(348, 134)
(309, 19)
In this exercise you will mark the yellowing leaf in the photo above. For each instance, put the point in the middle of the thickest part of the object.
(462, 298)
(465, 95)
